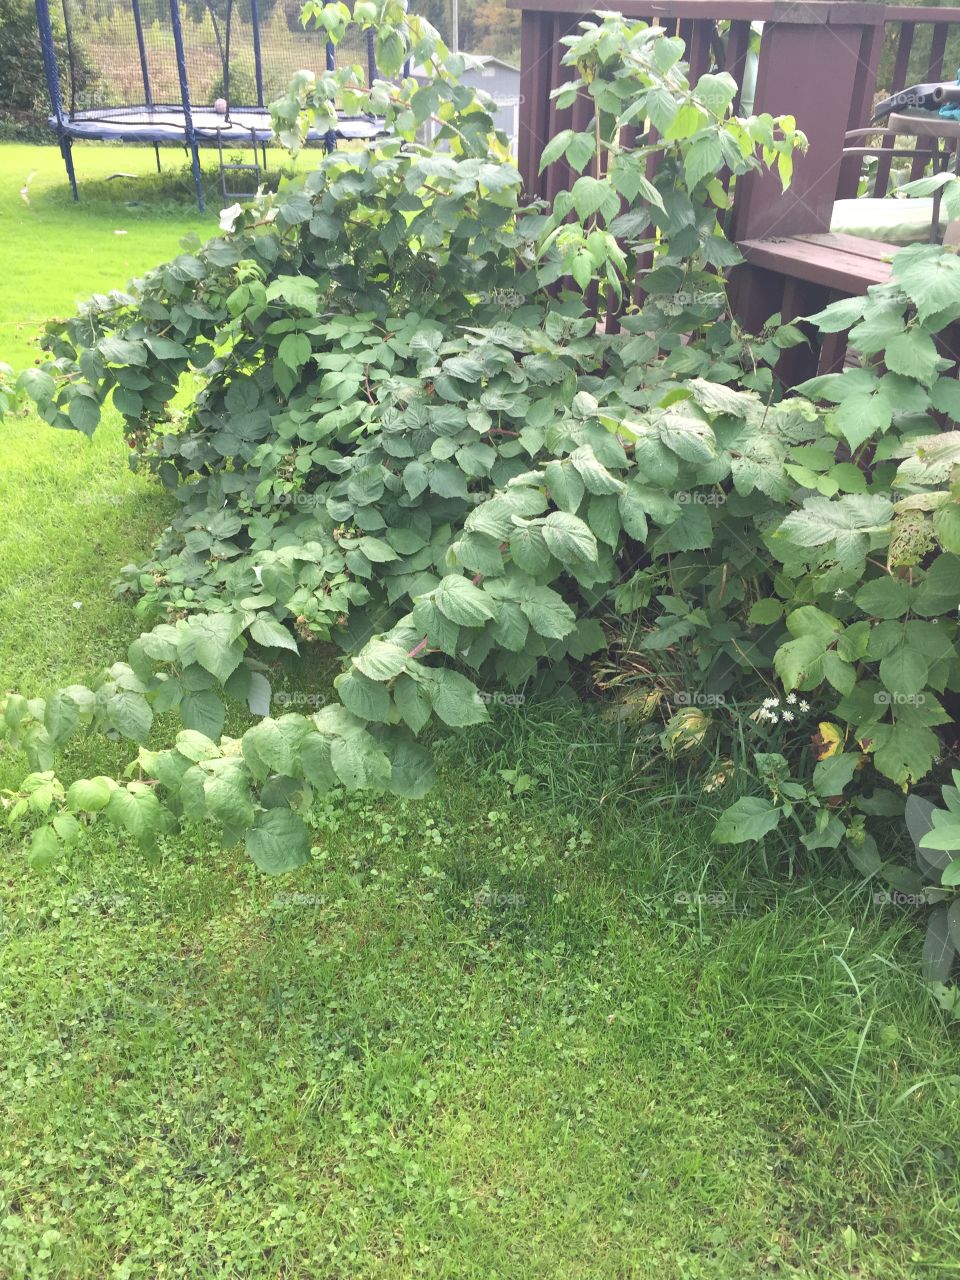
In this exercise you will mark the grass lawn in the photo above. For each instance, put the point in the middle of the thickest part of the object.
(482, 1036)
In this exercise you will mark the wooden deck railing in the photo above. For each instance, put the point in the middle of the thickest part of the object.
(824, 63)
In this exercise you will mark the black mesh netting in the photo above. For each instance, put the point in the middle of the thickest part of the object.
(125, 71)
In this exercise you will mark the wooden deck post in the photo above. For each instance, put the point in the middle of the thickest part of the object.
(818, 63)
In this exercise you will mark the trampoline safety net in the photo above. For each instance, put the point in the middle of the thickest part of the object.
(197, 72)
(123, 61)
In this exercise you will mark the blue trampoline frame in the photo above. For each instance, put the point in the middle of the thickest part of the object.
(183, 124)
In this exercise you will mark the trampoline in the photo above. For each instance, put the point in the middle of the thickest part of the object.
(187, 72)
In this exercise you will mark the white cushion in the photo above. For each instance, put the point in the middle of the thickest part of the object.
(895, 220)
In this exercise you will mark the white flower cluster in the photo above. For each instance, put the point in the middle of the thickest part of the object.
(773, 714)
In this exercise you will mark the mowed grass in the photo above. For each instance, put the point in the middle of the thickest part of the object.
(74, 509)
(490, 1035)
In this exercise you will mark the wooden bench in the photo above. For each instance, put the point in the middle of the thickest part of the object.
(797, 276)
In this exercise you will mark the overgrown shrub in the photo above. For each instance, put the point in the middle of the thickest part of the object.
(412, 439)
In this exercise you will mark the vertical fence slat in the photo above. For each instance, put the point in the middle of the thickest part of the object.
(900, 68)
(861, 105)
(926, 147)
(536, 33)
(735, 61)
(698, 48)
(560, 176)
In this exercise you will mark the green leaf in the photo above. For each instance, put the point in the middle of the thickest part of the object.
(765, 612)
(295, 350)
(315, 760)
(945, 836)
(195, 745)
(936, 963)
(913, 354)
(939, 592)
(365, 698)
(511, 628)
(750, 818)
(412, 773)
(377, 551)
(716, 92)
(580, 150)
(799, 663)
(905, 671)
(61, 717)
(38, 384)
(832, 775)
(44, 848)
(88, 795)
(946, 525)
(266, 630)
(930, 277)
(703, 160)
(360, 764)
(130, 714)
(633, 514)
(904, 751)
(839, 316)
(67, 828)
(594, 195)
(381, 659)
(569, 538)
(462, 602)
(203, 711)
(274, 745)
(687, 121)
(455, 699)
(279, 842)
(122, 351)
(564, 484)
(846, 522)
(886, 597)
(479, 553)
(227, 794)
(210, 640)
(863, 416)
(84, 414)
(593, 473)
(547, 612)
(166, 348)
(135, 808)
(413, 702)
(555, 148)
(945, 396)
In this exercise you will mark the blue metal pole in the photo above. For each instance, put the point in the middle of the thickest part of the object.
(189, 131)
(52, 76)
(371, 58)
(141, 45)
(49, 55)
(257, 60)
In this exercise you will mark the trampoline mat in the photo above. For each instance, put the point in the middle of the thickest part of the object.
(168, 124)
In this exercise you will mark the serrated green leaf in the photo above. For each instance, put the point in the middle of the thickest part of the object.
(569, 538)
(547, 612)
(279, 842)
(266, 630)
(462, 602)
(564, 484)
(454, 698)
(364, 697)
